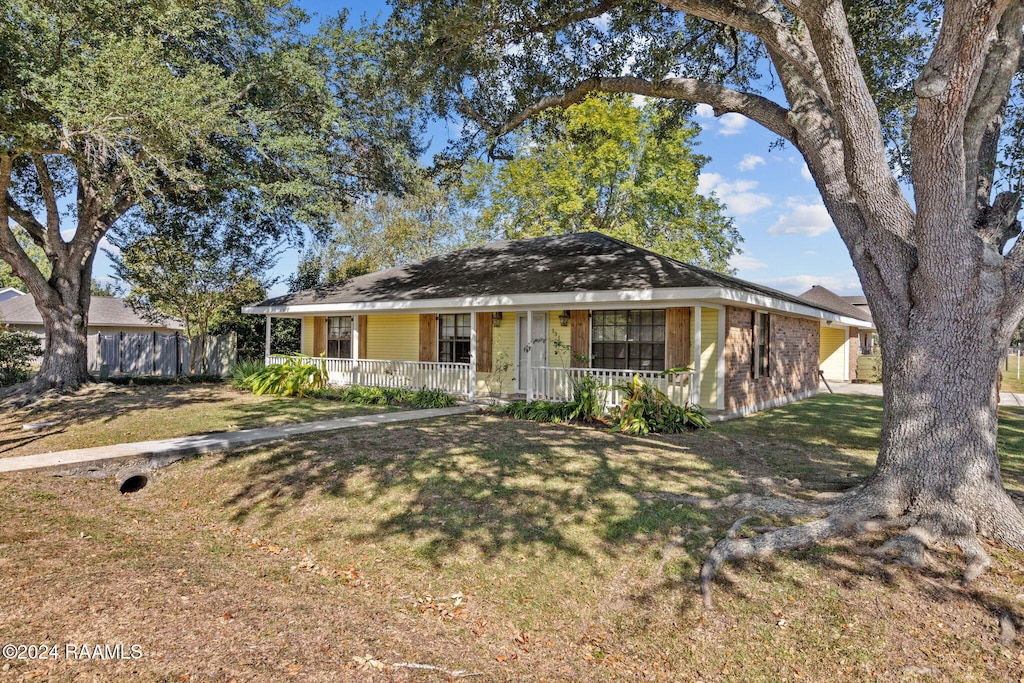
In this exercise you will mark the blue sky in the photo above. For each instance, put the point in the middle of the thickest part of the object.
(789, 243)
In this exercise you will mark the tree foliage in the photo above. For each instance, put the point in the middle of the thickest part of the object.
(386, 230)
(607, 165)
(201, 276)
(17, 351)
(118, 109)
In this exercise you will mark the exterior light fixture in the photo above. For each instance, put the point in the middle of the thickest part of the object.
(496, 319)
(563, 319)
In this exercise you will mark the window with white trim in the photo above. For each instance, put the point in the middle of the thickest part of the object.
(453, 338)
(339, 336)
(628, 340)
(759, 360)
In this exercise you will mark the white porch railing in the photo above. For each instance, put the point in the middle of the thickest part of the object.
(555, 384)
(396, 374)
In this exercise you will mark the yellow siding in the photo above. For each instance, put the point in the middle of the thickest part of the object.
(503, 358)
(831, 358)
(393, 337)
(558, 358)
(307, 336)
(709, 348)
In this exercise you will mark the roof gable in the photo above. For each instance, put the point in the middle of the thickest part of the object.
(826, 298)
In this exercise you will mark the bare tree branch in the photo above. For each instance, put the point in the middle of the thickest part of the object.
(856, 116)
(10, 250)
(763, 19)
(55, 244)
(986, 114)
(722, 100)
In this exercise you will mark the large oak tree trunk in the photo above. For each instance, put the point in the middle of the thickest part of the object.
(938, 461)
(64, 309)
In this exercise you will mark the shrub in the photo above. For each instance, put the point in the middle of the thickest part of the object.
(295, 377)
(244, 369)
(645, 409)
(586, 400)
(17, 350)
(431, 398)
(538, 411)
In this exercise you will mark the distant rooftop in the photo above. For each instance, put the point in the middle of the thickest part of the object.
(826, 298)
(104, 311)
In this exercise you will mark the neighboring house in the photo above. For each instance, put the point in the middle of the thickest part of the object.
(840, 346)
(9, 293)
(107, 316)
(525, 317)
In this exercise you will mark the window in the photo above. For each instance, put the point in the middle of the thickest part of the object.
(339, 337)
(453, 338)
(628, 340)
(762, 341)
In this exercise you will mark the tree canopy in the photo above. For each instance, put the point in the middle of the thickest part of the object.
(605, 164)
(123, 109)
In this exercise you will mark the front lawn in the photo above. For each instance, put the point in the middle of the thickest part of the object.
(482, 545)
(104, 414)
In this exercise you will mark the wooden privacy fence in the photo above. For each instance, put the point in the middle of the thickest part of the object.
(155, 353)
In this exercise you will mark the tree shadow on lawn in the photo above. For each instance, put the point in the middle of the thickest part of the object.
(495, 484)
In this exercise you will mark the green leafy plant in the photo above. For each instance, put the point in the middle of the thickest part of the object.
(241, 371)
(431, 398)
(17, 350)
(645, 409)
(297, 376)
(538, 411)
(587, 402)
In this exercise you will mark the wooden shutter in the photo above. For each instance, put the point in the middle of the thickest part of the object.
(766, 361)
(753, 343)
(362, 336)
(677, 337)
(428, 338)
(483, 342)
(579, 338)
(319, 336)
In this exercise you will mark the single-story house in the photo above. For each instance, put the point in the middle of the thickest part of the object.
(526, 317)
(840, 347)
(9, 293)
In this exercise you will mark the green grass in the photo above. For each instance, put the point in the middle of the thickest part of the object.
(103, 415)
(516, 550)
(1011, 382)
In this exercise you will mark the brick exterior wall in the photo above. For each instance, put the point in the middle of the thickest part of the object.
(854, 351)
(792, 359)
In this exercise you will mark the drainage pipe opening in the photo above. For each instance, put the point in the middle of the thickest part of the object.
(132, 481)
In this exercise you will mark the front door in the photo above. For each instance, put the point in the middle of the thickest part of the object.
(538, 340)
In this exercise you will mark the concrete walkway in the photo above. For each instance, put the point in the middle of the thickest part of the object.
(106, 460)
(1005, 398)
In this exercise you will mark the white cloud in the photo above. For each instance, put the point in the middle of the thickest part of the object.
(844, 284)
(639, 101)
(602, 21)
(804, 219)
(737, 195)
(705, 111)
(805, 172)
(744, 262)
(109, 246)
(732, 123)
(750, 162)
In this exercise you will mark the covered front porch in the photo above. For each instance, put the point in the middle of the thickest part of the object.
(531, 354)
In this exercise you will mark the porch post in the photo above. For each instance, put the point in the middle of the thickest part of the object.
(697, 348)
(355, 348)
(266, 343)
(472, 357)
(529, 355)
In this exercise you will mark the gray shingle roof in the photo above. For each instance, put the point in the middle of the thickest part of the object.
(825, 298)
(579, 262)
(104, 311)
